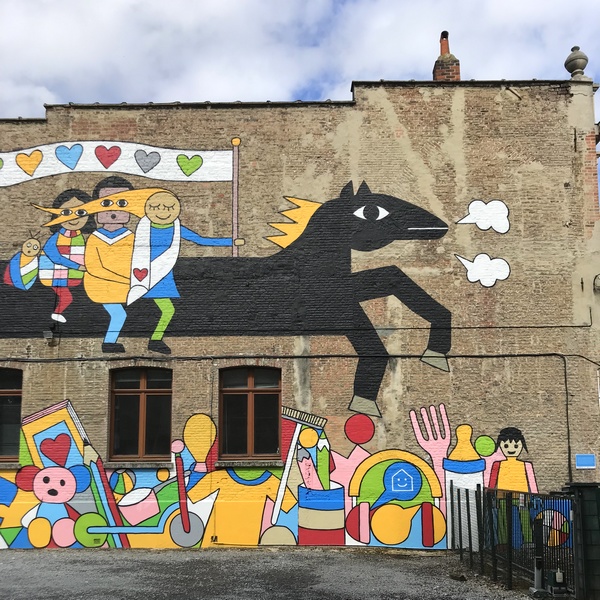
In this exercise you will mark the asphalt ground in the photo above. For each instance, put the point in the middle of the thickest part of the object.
(238, 574)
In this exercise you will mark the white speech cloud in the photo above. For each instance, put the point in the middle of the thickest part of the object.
(493, 215)
(485, 269)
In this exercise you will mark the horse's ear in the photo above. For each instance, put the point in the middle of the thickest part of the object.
(363, 190)
(347, 192)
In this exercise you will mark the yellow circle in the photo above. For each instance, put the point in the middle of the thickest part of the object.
(308, 438)
(390, 523)
(236, 141)
(163, 474)
(39, 532)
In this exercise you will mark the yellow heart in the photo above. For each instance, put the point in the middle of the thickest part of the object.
(29, 162)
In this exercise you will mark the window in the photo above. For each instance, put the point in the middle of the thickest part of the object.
(11, 381)
(141, 414)
(249, 412)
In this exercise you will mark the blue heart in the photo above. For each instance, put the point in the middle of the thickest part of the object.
(69, 156)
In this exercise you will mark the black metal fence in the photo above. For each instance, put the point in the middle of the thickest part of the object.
(508, 534)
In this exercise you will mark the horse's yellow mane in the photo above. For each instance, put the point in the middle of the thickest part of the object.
(300, 217)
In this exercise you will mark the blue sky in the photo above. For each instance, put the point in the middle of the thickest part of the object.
(57, 51)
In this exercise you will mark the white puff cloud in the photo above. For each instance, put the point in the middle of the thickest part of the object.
(492, 215)
(485, 269)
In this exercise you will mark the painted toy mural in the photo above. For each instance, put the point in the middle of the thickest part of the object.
(64, 496)
(288, 293)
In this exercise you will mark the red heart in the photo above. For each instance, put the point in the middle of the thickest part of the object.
(140, 274)
(57, 449)
(107, 156)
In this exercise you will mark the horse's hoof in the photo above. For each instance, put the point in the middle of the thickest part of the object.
(364, 406)
(159, 346)
(436, 359)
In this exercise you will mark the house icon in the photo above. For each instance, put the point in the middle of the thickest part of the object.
(402, 481)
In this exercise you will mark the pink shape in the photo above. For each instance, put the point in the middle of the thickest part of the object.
(364, 522)
(139, 505)
(55, 485)
(177, 446)
(267, 514)
(63, 532)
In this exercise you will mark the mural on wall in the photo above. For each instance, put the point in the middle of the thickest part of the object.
(307, 288)
(483, 268)
(64, 496)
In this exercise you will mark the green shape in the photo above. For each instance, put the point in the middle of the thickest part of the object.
(189, 165)
(485, 445)
(25, 457)
(10, 533)
(83, 523)
(1, 163)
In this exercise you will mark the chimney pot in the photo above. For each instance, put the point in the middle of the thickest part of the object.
(447, 66)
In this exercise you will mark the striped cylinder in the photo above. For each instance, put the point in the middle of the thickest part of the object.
(321, 516)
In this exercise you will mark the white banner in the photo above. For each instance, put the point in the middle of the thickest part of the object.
(169, 164)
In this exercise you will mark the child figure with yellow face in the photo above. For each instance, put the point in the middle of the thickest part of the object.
(156, 249)
(22, 269)
(512, 474)
(62, 262)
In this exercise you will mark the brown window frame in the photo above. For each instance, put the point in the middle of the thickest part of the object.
(250, 391)
(144, 392)
(4, 458)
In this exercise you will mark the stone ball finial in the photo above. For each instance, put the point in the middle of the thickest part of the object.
(576, 62)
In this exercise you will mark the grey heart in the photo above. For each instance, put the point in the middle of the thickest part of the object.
(145, 161)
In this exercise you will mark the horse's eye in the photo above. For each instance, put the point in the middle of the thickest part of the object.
(382, 213)
(106, 203)
(360, 213)
(122, 203)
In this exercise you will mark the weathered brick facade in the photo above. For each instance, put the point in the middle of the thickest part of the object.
(524, 334)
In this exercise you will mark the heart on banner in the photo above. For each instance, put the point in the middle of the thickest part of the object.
(57, 449)
(189, 165)
(146, 162)
(29, 162)
(69, 156)
(140, 274)
(107, 156)
(1, 163)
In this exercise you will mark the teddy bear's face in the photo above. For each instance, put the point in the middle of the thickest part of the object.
(56, 485)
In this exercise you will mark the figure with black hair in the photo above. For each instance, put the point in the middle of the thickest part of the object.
(108, 260)
(61, 264)
(512, 474)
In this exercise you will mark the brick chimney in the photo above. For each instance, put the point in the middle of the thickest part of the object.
(447, 66)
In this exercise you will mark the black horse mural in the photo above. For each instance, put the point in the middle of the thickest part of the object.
(307, 288)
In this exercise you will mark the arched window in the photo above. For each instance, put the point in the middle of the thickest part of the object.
(249, 412)
(141, 414)
(11, 382)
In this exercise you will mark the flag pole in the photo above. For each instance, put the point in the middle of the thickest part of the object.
(235, 142)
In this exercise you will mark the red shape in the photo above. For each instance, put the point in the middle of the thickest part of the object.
(352, 523)
(321, 537)
(107, 156)
(359, 429)
(140, 274)
(57, 449)
(427, 524)
(25, 477)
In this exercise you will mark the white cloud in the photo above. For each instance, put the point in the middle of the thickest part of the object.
(227, 50)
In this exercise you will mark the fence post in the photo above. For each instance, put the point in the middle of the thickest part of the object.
(469, 532)
(510, 535)
(480, 533)
(460, 536)
(451, 528)
(490, 516)
(538, 540)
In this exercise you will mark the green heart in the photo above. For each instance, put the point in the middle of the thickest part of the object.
(1, 163)
(189, 165)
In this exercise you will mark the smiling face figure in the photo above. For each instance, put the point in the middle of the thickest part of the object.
(511, 448)
(80, 216)
(31, 247)
(162, 208)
